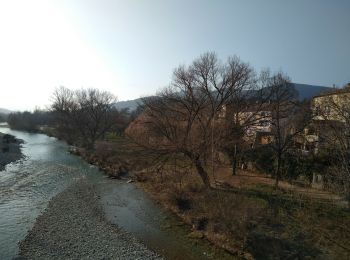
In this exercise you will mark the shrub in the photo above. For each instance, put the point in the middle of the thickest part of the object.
(181, 200)
(262, 158)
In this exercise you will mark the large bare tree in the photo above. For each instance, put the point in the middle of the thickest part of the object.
(84, 115)
(289, 116)
(246, 110)
(179, 119)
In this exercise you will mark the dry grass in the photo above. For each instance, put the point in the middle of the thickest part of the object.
(288, 225)
(244, 214)
(250, 180)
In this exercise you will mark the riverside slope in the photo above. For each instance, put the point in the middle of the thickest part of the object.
(13, 150)
(74, 227)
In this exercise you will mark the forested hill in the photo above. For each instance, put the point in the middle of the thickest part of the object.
(5, 111)
(304, 90)
(130, 104)
(308, 91)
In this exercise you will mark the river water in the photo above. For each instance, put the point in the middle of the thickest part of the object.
(26, 187)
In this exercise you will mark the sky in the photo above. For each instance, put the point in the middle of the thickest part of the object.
(131, 47)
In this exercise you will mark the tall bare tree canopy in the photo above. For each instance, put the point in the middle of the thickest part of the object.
(245, 111)
(289, 116)
(179, 119)
(84, 115)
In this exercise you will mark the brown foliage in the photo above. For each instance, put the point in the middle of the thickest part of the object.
(179, 119)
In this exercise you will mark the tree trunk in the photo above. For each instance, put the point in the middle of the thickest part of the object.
(202, 173)
(234, 161)
(200, 170)
(277, 177)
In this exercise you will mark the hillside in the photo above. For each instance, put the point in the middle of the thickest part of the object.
(308, 91)
(5, 111)
(130, 104)
(305, 91)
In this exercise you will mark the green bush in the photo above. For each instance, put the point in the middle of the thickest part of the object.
(263, 158)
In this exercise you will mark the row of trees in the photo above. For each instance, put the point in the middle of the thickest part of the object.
(3, 117)
(208, 108)
(210, 105)
(29, 121)
(83, 116)
(80, 117)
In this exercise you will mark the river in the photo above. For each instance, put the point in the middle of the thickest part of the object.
(47, 168)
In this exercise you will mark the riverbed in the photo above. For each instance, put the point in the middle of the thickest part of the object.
(27, 186)
(74, 227)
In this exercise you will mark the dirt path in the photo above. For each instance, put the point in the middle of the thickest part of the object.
(246, 179)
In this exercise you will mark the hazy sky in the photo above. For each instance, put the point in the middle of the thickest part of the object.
(131, 47)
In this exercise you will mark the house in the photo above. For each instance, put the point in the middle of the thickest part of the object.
(331, 106)
(258, 125)
(330, 110)
(256, 121)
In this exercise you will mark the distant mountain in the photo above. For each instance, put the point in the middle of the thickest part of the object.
(308, 91)
(5, 111)
(305, 91)
(130, 104)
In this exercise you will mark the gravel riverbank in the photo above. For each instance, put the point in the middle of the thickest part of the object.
(74, 227)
